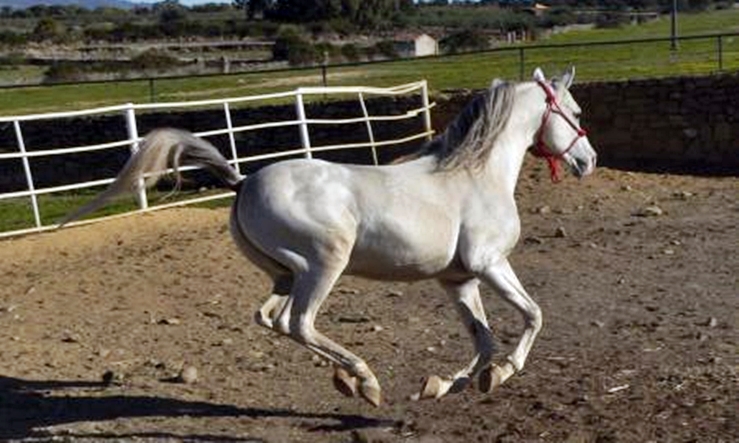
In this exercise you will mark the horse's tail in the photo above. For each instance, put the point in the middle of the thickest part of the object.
(162, 149)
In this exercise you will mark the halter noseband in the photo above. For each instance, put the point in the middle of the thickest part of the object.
(540, 148)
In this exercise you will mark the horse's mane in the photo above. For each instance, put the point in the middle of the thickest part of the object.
(468, 140)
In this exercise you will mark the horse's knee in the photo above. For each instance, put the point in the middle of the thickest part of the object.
(534, 317)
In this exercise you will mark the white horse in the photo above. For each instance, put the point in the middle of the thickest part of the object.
(448, 214)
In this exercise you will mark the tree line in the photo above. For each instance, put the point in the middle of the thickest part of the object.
(360, 12)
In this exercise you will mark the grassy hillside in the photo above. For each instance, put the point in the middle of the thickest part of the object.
(615, 61)
(721, 21)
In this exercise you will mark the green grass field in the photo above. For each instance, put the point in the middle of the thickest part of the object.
(17, 213)
(607, 62)
(721, 21)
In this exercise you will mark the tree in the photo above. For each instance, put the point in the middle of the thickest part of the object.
(48, 29)
(172, 17)
(465, 40)
(291, 46)
(365, 13)
(253, 8)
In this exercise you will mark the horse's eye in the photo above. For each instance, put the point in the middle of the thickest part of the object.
(577, 115)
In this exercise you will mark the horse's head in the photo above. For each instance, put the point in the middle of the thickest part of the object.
(560, 136)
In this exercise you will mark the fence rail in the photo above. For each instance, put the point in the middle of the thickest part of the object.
(129, 111)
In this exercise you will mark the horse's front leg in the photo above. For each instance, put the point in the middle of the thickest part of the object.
(466, 296)
(503, 280)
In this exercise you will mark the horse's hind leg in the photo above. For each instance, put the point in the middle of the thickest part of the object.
(267, 314)
(467, 301)
(504, 281)
(280, 274)
(298, 316)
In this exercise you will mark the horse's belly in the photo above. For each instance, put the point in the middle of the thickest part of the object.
(385, 270)
(404, 253)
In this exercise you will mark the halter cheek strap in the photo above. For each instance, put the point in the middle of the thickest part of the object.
(540, 148)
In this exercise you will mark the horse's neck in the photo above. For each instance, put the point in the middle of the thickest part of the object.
(506, 157)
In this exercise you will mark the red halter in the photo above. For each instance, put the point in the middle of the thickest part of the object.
(540, 148)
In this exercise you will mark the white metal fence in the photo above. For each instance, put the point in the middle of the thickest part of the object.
(129, 111)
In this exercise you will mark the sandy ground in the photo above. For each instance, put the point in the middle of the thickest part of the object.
(640, 341)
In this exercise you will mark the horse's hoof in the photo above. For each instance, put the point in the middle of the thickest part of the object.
(371, 392)
(485, 380)
(345, 382)
(432, 388)
(494, 376)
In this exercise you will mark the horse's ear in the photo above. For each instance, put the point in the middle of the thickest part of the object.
(539, 75)
(569, 77)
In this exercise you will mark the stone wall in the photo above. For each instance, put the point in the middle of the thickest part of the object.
(685, 124)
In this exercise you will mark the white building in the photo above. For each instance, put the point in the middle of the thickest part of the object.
(424, 44)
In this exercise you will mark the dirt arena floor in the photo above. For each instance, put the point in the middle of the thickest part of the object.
(637, 275)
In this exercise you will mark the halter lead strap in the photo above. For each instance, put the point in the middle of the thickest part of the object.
(540, 147)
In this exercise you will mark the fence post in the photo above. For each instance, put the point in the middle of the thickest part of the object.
(369, 129)
(231, 138)
(324, 66)
(521, 62)
(152, 93)
(133, 135)
(426, 108)
(27, 170)
(302, 123)
(720, 44)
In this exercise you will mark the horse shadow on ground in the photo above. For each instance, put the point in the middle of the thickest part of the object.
(26, 406)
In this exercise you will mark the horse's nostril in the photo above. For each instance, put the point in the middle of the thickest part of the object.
(582, 165)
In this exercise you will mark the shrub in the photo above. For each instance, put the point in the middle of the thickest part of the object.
(350, 52)
(11, 38)
(466, 40)
(13, 59)
(342, 27)
(370, 52)
(48, 29)
(609, 20)
(559, 16)
(290, 46)
(331, 51)
(153, 60)
(387, 48)
(65, 72)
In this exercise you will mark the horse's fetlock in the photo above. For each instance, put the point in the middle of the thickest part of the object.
(362, 371)
(516, 363)
(282, 325)
(263, 320)
(303, 331)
